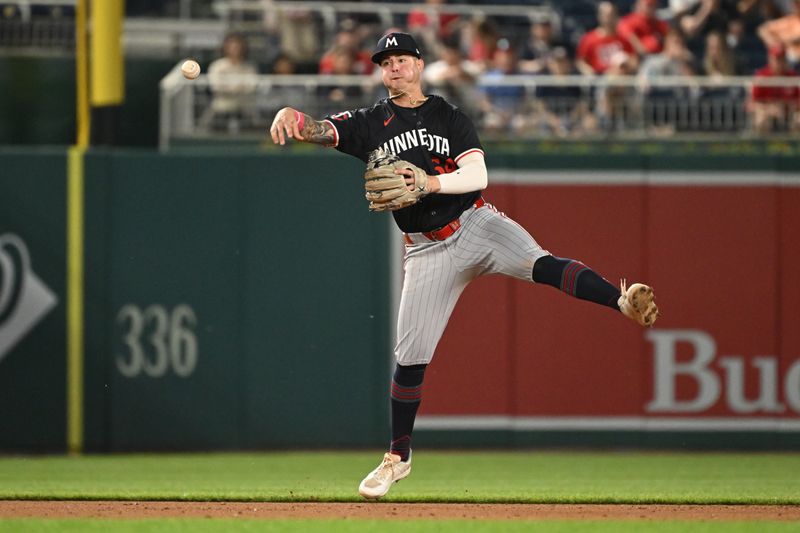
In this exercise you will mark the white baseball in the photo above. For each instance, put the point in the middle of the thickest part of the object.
(190, 69)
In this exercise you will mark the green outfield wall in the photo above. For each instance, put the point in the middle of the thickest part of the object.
(228, 304)
(243, 301)
(32, 300)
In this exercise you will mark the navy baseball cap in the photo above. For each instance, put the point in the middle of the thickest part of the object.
(395, 42)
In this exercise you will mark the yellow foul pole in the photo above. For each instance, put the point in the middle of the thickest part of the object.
(75, 159)
(82, 114)
(75, 299)
(108, 72)
(99, 74)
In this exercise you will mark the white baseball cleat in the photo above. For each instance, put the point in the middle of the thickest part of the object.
(379, 481)
(638, 303)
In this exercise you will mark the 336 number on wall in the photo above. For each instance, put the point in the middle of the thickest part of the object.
(157, 341)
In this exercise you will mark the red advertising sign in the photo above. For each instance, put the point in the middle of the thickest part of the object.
(722, 258)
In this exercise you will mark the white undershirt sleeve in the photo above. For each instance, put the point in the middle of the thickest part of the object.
(470, 176)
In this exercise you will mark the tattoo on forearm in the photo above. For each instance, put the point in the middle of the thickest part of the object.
(317, 132)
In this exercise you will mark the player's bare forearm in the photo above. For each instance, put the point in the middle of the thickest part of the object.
(317, 132)
(293, 124)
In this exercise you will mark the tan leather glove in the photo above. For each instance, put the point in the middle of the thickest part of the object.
(387, 191)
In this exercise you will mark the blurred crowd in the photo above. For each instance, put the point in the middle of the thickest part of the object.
(472, 58)
(470, 55)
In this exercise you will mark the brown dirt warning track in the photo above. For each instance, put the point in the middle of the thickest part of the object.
(394, 511)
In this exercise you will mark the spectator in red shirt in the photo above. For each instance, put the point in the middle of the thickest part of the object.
(643, 29)
(775, 107)
(349, 38)
(433, 24)
(480, 41)
(598, 46)
(785, 32)
(433, 17)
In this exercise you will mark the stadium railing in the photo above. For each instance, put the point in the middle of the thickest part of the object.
(513, 107)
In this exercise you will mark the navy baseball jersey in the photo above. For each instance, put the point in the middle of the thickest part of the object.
(433, 136)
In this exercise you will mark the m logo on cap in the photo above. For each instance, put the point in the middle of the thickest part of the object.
(397, 42)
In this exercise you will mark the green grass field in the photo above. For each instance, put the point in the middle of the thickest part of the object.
(512, 477)
(438, 477)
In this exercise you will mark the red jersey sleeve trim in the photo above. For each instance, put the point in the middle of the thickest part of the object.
(470, 151)
(335, 132)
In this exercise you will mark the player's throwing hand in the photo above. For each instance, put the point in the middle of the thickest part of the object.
(287, 123)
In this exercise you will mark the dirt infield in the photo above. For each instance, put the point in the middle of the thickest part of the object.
(395, 511)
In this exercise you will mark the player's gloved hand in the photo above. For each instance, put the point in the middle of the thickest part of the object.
(386, 190)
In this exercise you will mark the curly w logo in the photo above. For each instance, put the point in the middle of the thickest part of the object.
(24, 298)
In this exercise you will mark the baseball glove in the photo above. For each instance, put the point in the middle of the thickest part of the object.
(387, 191)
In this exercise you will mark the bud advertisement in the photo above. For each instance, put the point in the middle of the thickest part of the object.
(721, 255)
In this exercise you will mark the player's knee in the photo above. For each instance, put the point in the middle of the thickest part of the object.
(548, 269)
(409, 374)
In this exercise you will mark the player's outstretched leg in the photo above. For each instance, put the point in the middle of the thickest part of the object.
(636, 302)
(406, 395)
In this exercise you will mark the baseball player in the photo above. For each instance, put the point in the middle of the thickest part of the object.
(452, 235)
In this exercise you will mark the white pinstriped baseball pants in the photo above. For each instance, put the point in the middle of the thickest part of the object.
(436, 273)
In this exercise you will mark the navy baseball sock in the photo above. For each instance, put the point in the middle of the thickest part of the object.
(575, 279)
(406, 395)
